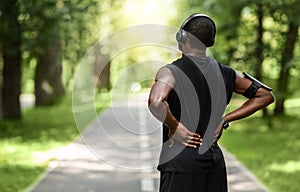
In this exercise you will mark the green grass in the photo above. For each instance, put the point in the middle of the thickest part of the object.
(26, 144)
(269, 147)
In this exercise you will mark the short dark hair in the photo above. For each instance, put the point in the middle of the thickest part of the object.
(203, 29)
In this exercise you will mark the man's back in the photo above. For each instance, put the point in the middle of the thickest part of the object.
(190, 103)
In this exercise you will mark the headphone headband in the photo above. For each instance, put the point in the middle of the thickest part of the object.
(181, 35)
(194, 16)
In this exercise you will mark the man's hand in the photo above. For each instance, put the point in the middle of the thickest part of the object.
(182, 135)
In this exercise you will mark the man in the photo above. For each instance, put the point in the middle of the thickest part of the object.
(184, 96)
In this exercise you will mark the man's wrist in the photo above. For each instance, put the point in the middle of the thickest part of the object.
(225, 124)
(172, 125)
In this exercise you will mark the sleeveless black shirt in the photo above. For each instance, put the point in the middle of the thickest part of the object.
(188, 95)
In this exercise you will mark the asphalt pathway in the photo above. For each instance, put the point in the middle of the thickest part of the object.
(118, 152)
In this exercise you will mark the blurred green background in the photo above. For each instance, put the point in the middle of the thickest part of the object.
(43, 42)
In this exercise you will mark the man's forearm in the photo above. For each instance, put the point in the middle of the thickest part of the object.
(249, 107)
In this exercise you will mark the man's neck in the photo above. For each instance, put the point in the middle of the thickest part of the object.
(199, 53)
(194, 52)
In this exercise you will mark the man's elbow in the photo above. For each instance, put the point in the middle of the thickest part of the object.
(269, 98)
(154, 104)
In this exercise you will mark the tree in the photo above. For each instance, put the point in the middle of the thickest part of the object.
(48, 84)
(287, 53)
(259, 49)
(80, 30)
(259, 40)
(285, 64)
(11, 48)
(101, 70)
(42, 40)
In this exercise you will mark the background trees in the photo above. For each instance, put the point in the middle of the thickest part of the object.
(260, 37)
(48, 38)
(42, 42)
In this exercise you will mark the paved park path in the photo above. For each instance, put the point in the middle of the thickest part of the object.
(118, 152)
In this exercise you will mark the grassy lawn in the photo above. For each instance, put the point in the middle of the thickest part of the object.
(269, 148)
(26, 144)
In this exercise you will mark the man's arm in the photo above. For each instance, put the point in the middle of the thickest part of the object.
(164, 83)
(261, 99)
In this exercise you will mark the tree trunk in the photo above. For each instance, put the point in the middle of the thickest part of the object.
(286, 57)
(1, 72)
(259, 55)
(48, 85)
(11, 43)
(101, 70)
(103, 81)
(259, 42)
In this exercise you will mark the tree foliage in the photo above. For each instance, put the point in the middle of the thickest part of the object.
(259, 36)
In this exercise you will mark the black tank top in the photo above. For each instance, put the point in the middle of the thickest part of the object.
(190, 103)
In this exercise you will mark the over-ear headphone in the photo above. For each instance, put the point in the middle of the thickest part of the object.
(182, 35)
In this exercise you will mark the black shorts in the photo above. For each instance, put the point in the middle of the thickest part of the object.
(181, 182)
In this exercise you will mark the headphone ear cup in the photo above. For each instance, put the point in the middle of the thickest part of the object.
(178, 36)
(181, 36)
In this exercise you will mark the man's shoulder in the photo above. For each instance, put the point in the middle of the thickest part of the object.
(225, 68)
(174, 64)
(177, 61)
